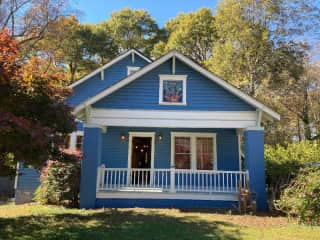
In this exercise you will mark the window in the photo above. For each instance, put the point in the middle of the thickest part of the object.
(131, 70)
(193, 150)
(74, 141)
(172, 89)
(67, 142)
(79, 141)
(204, 153)
(182, 153)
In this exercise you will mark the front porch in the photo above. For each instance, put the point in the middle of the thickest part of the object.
(169, 167)
(139, 183)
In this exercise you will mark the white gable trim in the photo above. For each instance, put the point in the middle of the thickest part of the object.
(115, 60)
(193, 65)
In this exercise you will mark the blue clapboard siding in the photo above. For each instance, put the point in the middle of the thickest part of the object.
(27, 182)
(80, 126)
(113, 74)
(202, 93)
(115, 151)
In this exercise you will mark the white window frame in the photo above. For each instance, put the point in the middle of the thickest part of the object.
(132, 69)
(193, 136)
(166, 77)
(73, 139)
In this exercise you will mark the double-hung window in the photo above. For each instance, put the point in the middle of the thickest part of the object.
(193, 150)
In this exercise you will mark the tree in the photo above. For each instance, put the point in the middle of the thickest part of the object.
(33, 115)
(256, 40)
(243, 51)
(81, 48)
(133, 29)
(28, 20)
(192, 34)
(98, 43)
(301, 98)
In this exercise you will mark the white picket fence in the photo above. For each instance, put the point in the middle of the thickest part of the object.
(170, 180)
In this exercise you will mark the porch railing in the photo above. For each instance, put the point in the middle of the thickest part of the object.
(170, 180)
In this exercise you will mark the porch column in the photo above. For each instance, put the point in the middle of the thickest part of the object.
(92, 142)
(254, 160)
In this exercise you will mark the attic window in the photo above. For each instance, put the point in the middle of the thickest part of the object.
(132, 70)
(172, 89)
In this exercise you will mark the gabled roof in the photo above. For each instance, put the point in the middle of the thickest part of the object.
(250, 100)
(113, 61)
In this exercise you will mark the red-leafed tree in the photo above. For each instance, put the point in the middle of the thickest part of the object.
(33, 115)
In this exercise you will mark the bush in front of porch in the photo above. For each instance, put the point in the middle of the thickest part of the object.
(60, 181)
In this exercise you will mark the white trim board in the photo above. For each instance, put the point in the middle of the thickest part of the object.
(164, 118)
(193, 65)
(109, 64)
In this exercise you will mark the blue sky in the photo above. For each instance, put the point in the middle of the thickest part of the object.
(161, 10)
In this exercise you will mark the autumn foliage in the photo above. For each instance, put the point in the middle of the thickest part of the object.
(33, 115)
(60, 180)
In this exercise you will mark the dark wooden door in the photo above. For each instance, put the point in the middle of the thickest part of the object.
(141, 158)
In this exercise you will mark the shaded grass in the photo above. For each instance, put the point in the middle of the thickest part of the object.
(34, 221)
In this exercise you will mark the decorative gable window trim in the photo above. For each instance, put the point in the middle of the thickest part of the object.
(131, 70)
(173, 98)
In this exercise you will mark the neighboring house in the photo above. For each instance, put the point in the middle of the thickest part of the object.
(167, 133)
(6, 188)
(28, 179)
(26, 183)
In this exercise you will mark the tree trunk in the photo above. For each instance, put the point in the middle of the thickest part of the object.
(72, 72)
(298, 126)
(306, 117)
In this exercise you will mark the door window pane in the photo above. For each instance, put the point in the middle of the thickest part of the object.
(204, 153)
(182, 152)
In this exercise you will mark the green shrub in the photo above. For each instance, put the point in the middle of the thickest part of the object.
(284, 163)
(60, 181)
(302, 197)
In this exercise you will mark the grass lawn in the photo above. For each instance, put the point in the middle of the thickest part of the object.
(34, 221)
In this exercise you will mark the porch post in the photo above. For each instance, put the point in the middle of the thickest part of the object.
(172, 180)
(89, 166)
(254, 161)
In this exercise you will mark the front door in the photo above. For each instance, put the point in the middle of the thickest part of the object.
(141, 160)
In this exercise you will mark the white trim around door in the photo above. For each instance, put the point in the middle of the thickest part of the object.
(141, 134)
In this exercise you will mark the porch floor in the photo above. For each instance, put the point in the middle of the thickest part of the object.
(154, 193)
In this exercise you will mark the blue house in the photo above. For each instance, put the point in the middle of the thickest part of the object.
(167, 133)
